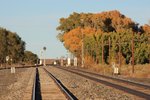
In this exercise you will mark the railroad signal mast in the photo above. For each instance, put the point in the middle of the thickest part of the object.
(44, 48)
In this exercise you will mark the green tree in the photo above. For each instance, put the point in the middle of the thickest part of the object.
(3, 45)
(13, 46)
(30, 58)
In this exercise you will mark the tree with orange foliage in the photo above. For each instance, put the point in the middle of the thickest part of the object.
(72, 39)
(97, 29)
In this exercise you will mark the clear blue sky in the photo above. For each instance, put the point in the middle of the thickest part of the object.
(36, 20)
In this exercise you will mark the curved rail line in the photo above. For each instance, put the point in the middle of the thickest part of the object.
(119, 87)
(36, 93)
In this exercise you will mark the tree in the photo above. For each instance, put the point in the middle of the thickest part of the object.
(98, 29)
(11, 45)
(3, 45)
(30, 58)
(15, 47)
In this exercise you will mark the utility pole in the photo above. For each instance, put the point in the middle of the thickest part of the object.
(133, 52)
(82, 47)
(136, 29)
(119, 53)
(102, 50)
(109, 49)
(82, 50)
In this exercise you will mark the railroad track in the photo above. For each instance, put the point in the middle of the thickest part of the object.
(3, 68)
(146, 86)
(134, 88)
(46, 86)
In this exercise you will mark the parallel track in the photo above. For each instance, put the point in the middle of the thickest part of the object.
(119, 87)
(115, 78)
(3, 68)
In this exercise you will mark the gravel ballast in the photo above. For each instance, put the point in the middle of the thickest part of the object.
(85, 89)
(12, 86)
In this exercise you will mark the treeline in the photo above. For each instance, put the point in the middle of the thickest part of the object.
(13, 47)
(107, 37)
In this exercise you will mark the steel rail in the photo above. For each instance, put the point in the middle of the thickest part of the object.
(116, 79)
(119, 87)
(66, 92)
(36, 92)
(3, 68)
(34, 85)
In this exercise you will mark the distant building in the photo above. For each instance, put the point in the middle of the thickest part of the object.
(47, 61)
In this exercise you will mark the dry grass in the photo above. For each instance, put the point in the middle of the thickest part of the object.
(140, 71)
(105, 69)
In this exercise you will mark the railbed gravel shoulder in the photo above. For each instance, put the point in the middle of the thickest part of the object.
(13, 85)
(85, 89)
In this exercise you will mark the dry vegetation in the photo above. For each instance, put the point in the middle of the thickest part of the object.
(141, 71)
